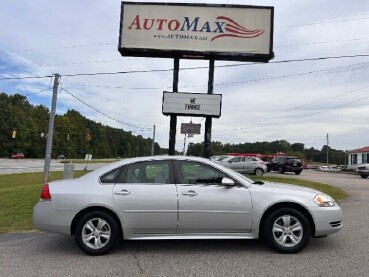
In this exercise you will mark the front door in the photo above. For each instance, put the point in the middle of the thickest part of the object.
(147, 199)
(207, 206)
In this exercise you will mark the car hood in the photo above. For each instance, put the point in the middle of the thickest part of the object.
(287, 187)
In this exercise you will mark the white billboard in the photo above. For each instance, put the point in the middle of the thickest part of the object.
(192, 104)
(228, 32)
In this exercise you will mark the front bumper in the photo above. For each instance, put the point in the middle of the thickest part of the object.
(328, 220)
(46, 218)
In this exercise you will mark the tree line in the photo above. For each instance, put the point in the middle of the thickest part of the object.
(24, 129)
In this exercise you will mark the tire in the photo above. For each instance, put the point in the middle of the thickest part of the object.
(280, 170)
(298, 172)
(258, 171)
(278, 234)
(364, 176)
(97, 233)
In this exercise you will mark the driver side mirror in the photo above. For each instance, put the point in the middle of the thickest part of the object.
(227, 182)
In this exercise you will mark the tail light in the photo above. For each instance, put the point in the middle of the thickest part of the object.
(45, 193)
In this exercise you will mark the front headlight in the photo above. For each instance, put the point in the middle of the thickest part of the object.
(324, 200)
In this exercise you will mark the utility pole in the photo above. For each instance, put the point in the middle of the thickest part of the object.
(49, 143)
(184, 145)
(153, 142)
(327, 149)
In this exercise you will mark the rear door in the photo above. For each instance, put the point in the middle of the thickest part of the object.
(236, 163)
(146, 198)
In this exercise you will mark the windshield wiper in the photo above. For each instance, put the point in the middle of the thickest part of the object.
(258, 183)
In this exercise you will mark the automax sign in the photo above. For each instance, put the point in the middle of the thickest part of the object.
(226, 32)
(193, 104)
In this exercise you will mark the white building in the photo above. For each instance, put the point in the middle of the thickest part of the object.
(357, 157)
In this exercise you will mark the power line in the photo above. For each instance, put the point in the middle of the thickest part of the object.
(321, 42)
(34, 93)
(127, 58)
(104, 114)
(319, 101)
(224, 84)
(63, 47)
(187, 68)
(302, 117)
(114, 43)
(324, 22)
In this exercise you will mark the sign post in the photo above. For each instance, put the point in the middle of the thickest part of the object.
(195, 31)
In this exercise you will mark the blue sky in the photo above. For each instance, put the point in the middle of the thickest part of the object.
(300, 102)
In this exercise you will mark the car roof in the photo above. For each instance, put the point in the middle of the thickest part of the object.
(122, 162)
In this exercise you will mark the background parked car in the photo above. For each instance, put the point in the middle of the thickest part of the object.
(246, 164)
(284, 164)
(363, 170)
(17, 156)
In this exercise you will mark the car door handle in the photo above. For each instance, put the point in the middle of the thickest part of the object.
(190, 193)
(122, 192)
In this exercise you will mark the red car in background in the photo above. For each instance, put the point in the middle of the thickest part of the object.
(17, 156)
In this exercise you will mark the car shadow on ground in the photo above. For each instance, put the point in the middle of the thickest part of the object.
(65, 245)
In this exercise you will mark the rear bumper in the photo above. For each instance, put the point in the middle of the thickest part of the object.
(328, 220)
(292, 168)
(46, 218)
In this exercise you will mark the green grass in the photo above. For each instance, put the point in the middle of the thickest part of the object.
(336, 193)
(18, 194)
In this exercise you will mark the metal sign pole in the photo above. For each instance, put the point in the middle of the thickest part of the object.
(208, 122)
(173, 118)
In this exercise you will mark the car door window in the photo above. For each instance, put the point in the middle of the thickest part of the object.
(111, 176)
(235, 160)
(148, 172)
(197, 173)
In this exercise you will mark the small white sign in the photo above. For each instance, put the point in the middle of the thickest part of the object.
(194, 104)
(88, 157)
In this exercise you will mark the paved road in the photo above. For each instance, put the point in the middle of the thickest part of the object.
(342, 254)
(9, 166)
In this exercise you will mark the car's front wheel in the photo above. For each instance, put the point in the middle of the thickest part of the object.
(97, 233)
(364, 176)
(258, 171)
(286, 230)
(297, 172)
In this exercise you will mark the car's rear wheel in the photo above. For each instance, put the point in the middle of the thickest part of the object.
(258, 171)
(97, 233)
(364, 176)
(287, 230)
(297, 172)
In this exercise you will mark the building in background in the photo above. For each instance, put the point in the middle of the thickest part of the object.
(357, 157)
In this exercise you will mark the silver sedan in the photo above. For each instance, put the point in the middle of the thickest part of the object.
(182, 198)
